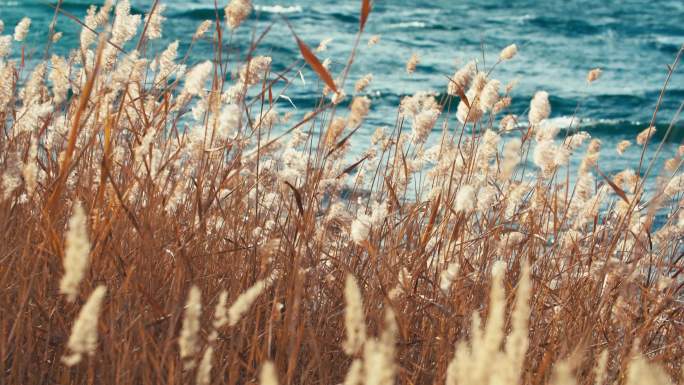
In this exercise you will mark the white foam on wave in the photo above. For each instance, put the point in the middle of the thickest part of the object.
(574, 123)
(562, 122)
(279, 8)
(668, 39)
(410, 24)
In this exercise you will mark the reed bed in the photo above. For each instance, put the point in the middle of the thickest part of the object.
(164, 223)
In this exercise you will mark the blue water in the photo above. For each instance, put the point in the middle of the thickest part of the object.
(559, 41)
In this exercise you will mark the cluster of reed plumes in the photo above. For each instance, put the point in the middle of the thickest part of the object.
(163, 222)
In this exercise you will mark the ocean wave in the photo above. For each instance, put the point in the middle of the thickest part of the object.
(616, 128)
(278, 8)
(408, 24)
(574, 123)
(668, 44)
(565, 25)
(669, 39)
(197, 13)
(563, 122)
(210, 13)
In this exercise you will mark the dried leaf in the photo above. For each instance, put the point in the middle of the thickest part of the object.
(616, 188)
(353, 166)
(365, 11)
(315, 64)
(298, 198)
(342, 141)
(431, 223)
(393, 194)
(464, 98)
(270, 95)
(461, 94)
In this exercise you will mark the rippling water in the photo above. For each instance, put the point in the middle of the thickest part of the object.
(559, 41)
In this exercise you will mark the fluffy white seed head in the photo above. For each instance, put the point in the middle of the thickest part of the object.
(674, 186)
(508, 123)
(83, 338)
(254, 71)
(5, 45)
(88, 36)
(204, 369)
(245, 301)
(540, 108)
(622, 146)
(373, 40)
(465, 199)
(518, 340)
(509, 52)
(229, 121)
(591, 157)
(422, 124)
(125, 25)
(379, 353)
(470, 110)
(641, 372)
(102, 16)
(359, 109)
(645, 135)
(202, 29)
(237, 11)
(593, 75)
(360, 228)
(545, 156)
(562, 374)
(221, 311)
(22, 29)
(459, 83)
(379, 213)
(412, 63)
(30, 169)
(76, 253)
(362, 83)
(448, 276)
(466, 114)
(354, 320)
(576, 140)
(166, 64)
(490, 95)
(601, 368)
(546, 131)
(59, 76)
(268, 375)
(355, 373)
(34, 87)
(196, 77)
(502, 104)
(188, 342)
(154, 22)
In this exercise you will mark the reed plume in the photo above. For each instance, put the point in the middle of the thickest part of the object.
(188, 342)
(76, 253)
(83, 338)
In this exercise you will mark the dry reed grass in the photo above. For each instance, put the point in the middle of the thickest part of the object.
(229, 250)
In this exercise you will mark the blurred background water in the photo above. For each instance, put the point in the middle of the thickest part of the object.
(558, 40)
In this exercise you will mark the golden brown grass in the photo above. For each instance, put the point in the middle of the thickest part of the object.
(193, 180)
